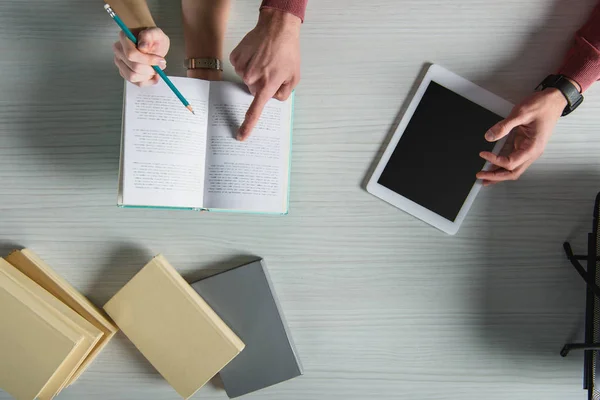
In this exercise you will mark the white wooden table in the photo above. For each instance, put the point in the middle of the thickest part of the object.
(381, 306)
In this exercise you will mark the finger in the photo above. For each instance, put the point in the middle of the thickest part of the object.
(253, 90)
(509, 162)
(492, 168)
(251, 76)
(234, 57)
(284, 92)
(130, 75)
(131, 53)
(150, 82)
(495, 176)
(295, 80)
(134, 66)
(502, 175)
(239, 71)
(489, 183)
(240, 57)
(253, 113)
(504, 127)
(153, 41)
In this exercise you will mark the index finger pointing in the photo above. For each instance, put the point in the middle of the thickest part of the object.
(253, 113)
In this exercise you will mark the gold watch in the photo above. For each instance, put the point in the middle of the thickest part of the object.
(203, 63)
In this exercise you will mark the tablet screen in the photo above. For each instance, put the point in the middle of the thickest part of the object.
(437, 157)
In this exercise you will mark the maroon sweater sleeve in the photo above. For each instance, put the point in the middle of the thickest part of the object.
(582, 63)
(296, 7)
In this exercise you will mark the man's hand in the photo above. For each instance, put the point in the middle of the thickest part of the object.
(532, 123)
(135, 63)
(268, 60)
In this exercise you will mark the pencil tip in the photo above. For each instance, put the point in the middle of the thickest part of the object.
(191, 109)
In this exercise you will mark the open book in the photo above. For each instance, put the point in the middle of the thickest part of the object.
(171, 158)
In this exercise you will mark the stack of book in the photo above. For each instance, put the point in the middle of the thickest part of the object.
(173, 327)
(191, 333)
(49, 332)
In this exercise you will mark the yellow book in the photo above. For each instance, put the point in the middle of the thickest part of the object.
(34, 342)
(173, 327)
(37, 270)
(91, 335)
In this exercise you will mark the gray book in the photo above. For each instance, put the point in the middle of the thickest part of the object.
(245, 300)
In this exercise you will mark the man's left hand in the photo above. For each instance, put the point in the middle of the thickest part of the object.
(531, 124)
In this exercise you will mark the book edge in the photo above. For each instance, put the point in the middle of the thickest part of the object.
(120, 187)
(286, 327)
(69, 291)
(96, 350)
(63, 309)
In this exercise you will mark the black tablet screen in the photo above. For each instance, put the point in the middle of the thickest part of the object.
(437, 157)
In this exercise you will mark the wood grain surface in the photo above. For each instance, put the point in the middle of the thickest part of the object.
(381, 306)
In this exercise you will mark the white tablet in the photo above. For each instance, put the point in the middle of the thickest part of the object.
(429, 167)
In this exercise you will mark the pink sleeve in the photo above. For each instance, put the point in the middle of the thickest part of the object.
(582, 63)
(296, 7)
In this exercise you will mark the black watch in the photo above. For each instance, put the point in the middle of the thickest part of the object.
(570, 91)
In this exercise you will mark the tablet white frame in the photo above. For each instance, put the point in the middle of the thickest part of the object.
(465, 89)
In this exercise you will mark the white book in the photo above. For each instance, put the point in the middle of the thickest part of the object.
(171, 158)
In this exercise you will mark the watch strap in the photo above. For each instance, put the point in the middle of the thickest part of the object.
(569, 91)
(203, 63)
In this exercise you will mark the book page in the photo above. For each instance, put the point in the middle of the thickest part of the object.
(164, 145)
(250, 175)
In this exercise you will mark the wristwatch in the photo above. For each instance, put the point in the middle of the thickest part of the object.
(570, 91)
(203, 63)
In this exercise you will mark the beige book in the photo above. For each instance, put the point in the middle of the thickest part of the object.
(34, 342)
(173, 327)
(91, 335)
(81, 351)
(31, 265)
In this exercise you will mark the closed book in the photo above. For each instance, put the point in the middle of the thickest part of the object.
(41, 273)
(35, 343)
(245, 299)
(173, 327)
(90, 334)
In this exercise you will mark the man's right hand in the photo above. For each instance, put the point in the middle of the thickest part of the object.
(135, 63)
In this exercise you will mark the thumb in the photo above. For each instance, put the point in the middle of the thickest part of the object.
(503, 128)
